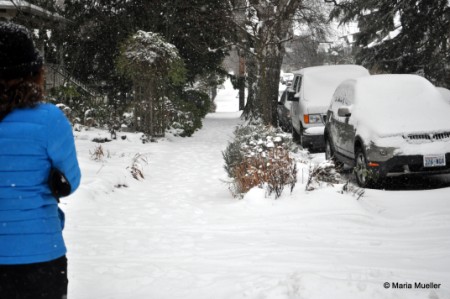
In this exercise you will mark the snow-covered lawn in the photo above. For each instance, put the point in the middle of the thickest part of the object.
(179, 233)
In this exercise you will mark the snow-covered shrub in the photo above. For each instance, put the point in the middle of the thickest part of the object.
(352, 189)
(323, 173)
(84, 110)
(260, 156)
(185, 111)
(149, 55)
(136, 168)
(67, 111)
(200, 100)
(98, 154)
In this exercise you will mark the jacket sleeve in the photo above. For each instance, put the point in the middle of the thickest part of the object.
(61, 147)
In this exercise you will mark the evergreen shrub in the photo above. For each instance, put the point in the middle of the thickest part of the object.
(186, 110)
(259, 156)
(84, 110)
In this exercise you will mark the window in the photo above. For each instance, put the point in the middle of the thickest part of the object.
(297, 83)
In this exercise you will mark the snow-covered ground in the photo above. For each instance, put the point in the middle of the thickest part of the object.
(179, 233)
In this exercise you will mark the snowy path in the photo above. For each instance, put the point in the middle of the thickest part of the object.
(180, 234)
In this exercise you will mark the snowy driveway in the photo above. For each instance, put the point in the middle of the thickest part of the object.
(180, 234)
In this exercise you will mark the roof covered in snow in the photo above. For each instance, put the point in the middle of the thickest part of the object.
(320, 82)
(10, 9)
(396, 104)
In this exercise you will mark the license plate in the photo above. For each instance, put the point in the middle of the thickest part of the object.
(434, 161)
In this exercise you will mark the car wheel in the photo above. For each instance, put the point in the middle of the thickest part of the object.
(329, 155)
(362, 173)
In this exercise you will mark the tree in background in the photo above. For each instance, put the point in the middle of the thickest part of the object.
(301, 52)
(269, 26)
(198, 28)
(406, 36)
(152, 64)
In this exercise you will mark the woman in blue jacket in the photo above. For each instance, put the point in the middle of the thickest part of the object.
(37, 164)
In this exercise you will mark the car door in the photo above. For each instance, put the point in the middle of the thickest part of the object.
(347, 131)
(341, 128)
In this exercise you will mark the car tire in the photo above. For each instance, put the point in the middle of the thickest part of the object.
(363, 176)
(329, 155)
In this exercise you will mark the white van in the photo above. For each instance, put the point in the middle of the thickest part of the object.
(311, 94)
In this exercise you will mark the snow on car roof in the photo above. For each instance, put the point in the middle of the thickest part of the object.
(395, 104)
(445, 93)
(330, 68)
(320, 82)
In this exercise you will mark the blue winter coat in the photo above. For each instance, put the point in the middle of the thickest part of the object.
(32, 141)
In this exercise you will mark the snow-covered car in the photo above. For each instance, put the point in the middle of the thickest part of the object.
(284, 112)
(388, 125)
(445, 93)
(311, 94)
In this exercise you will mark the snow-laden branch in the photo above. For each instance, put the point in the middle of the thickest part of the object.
(148, 47)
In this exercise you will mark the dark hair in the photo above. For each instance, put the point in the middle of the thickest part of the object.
(21, 93)
(19, 57)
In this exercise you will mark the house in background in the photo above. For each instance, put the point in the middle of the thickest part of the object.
(21, 11)
(38, 18)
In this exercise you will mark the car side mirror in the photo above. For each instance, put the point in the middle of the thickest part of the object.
(291, 96)
(344, 112)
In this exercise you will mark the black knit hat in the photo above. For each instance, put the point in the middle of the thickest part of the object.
(18, 55)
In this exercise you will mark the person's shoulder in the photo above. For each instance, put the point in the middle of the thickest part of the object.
(51, 110)
(48, 107)
(39, 114)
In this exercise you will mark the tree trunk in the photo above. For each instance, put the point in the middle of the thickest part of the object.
(273, 79)
(241, 81)
(270, 53)
(251, 110)
(152, 98)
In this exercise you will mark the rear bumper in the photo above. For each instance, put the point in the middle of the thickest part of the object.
(408, 165)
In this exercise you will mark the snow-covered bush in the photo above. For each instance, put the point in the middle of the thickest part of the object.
(323, 173)
(260, 156)
(200, 100)
(149, 55)
(98, 154)
(186, 111)
(85, 110)
(136, 168)
(353, 190)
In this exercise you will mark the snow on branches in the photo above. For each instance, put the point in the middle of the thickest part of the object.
(148, 47)
(148, 54)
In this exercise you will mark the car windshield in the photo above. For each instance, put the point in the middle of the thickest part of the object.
(392, 104)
